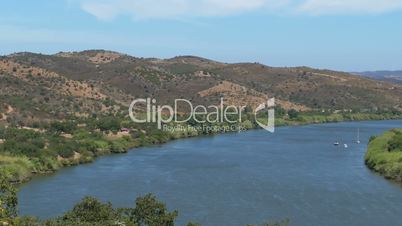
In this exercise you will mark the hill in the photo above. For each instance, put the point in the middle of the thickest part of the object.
(37, 87)
(390, 76)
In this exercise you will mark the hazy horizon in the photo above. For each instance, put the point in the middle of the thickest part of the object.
(222, 61)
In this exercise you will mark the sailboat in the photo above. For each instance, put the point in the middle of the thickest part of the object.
(336, 143)
(345, 145)
(358, 136)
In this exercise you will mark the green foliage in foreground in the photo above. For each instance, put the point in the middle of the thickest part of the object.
(384, 154)
(8, 199)
(89, 212)
(148, 211)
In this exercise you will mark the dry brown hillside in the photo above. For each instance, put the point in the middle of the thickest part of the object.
(41, 86)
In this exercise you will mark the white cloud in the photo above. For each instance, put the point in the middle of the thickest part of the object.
(320, 7)
(142, 9)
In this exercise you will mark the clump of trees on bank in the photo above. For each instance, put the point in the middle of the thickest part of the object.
(384, 154)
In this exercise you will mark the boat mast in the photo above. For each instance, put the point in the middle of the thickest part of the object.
(358, 135)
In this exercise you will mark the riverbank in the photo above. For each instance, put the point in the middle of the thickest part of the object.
(384, 155)
(296, 168)
(26, 153)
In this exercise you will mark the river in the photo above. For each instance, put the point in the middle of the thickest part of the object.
(237, 179)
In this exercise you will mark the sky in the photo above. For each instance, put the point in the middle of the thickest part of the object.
(346, 35)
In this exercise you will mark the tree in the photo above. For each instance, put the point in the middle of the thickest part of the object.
(151, 212)
(8, 200)
(89, 211)
(279, 111)
(108, 124)
(293, 114)
(63, 127)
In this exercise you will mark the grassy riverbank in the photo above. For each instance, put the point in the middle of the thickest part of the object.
(47, 147)
(384, 154)
(27, 151)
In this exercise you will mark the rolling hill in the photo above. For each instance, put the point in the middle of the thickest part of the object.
(45, 87)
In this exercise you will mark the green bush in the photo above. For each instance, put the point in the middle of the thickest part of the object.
(108, 124)
(63, 127)
(293, 114)
(91, 212)
(8, 200)
(395, 143)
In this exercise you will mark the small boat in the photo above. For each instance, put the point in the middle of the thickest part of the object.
(345, 145)
(336, 143)
(358, 136)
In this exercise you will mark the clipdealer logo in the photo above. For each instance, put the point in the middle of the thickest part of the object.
(231, 114)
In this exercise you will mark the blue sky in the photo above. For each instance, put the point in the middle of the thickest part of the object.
(348, 35)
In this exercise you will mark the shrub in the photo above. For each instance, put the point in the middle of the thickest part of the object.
(108, 124)
(63, 127)
(293, 114)
(90, 210)
(8, 200)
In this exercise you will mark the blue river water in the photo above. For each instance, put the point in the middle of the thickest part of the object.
(237, 179)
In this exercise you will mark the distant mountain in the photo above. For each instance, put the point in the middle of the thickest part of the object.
(36, 86)
(391, 76)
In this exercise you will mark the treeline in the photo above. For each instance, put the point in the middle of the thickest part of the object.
(45, 147)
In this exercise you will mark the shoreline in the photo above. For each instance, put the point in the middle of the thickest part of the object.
(381, 159)
(281, 123)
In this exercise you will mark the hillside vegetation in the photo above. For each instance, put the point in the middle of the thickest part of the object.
(36, 87)
(384, 154)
